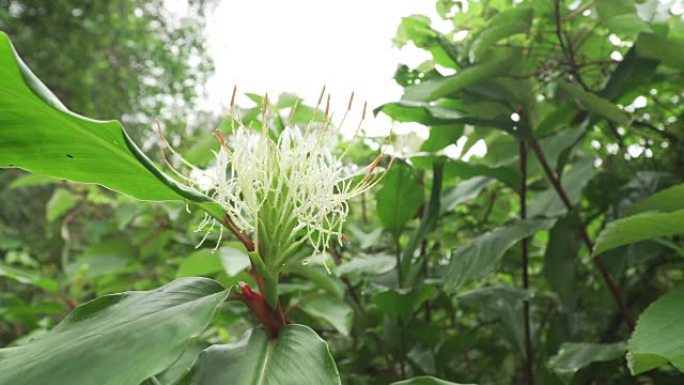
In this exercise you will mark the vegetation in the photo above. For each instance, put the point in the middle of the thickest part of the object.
(272, 251)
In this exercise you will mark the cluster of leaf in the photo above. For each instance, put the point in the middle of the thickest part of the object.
(526, 265)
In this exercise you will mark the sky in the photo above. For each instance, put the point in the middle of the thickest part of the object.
(298, 46)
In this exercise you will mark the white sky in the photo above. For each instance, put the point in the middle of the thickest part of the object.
(298, 46)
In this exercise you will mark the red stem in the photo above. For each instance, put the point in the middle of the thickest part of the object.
(273, 320)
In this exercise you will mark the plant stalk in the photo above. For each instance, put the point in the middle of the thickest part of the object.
(597, 260)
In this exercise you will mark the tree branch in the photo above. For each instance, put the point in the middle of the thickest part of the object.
(597, 260)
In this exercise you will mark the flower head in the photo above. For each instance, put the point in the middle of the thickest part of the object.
(284, 191)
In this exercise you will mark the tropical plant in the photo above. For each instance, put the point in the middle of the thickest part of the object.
(534, 236)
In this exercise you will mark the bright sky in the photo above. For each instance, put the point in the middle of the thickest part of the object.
(298, 46)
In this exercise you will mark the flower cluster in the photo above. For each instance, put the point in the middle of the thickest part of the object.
(283, 191)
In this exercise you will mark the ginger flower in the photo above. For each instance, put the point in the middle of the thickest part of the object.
(280, 193)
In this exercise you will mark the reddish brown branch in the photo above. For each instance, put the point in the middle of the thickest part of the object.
(273, 320)
(242, 237)
(597, 260)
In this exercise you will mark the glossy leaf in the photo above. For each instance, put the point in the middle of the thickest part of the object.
(657, 47)
(548, 204)
(118, 339)
(434, 89)
(297, 357)
(659, 334)
(62, 200)
(667, 200)
(399, 198)
(640, 227)
(39, 134)
(573, 356)
(374, 264)
(595, 103)
(332, 311)
(480, 257)
(506, 24)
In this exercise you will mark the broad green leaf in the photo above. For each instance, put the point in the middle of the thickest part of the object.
(429, 221)
(620, 16)
(332, 311)
(208, 262)
(667, 200)
(442, 136)
(39, 134)
(416, 29)
(173, 374)
(463, 192)
(62, 200)
(508, 23)
(297, 357)
(573, 356)
(118, 339)
(595, 103)
(632, 72)
(659, 335)
(233, 259)
(425, 380)
(374, 264)
(653, 46)
(424, 113)
(320, 277)
(400, 304)
(203, 262)
(32, 180)
(560, 261)
(399, 198)
(510, 176)
(640, 227)
(98, 265)
(29, 278)
(434, 89)
(504, 305)
(481, 256)
(548, 204)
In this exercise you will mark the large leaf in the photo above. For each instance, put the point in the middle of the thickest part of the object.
(659, 334)
(463, 192)
(573, 356)
(434, 89)
(548, 203)
(332, 311)
(399, 198)
(62, 200)
(118, 339)
(429, 115)
(28, 278)
(425, 380)
(667, 200)
(297, 357)
(595, 103)
(506, 24)
(657, 47)
(640, 227)
(429, 221)
(480, 257)
(560, 261)
(39, 134)
(375, 264)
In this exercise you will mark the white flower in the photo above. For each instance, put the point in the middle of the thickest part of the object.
(283, 192)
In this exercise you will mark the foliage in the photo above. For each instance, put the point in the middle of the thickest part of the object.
(461, 269)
